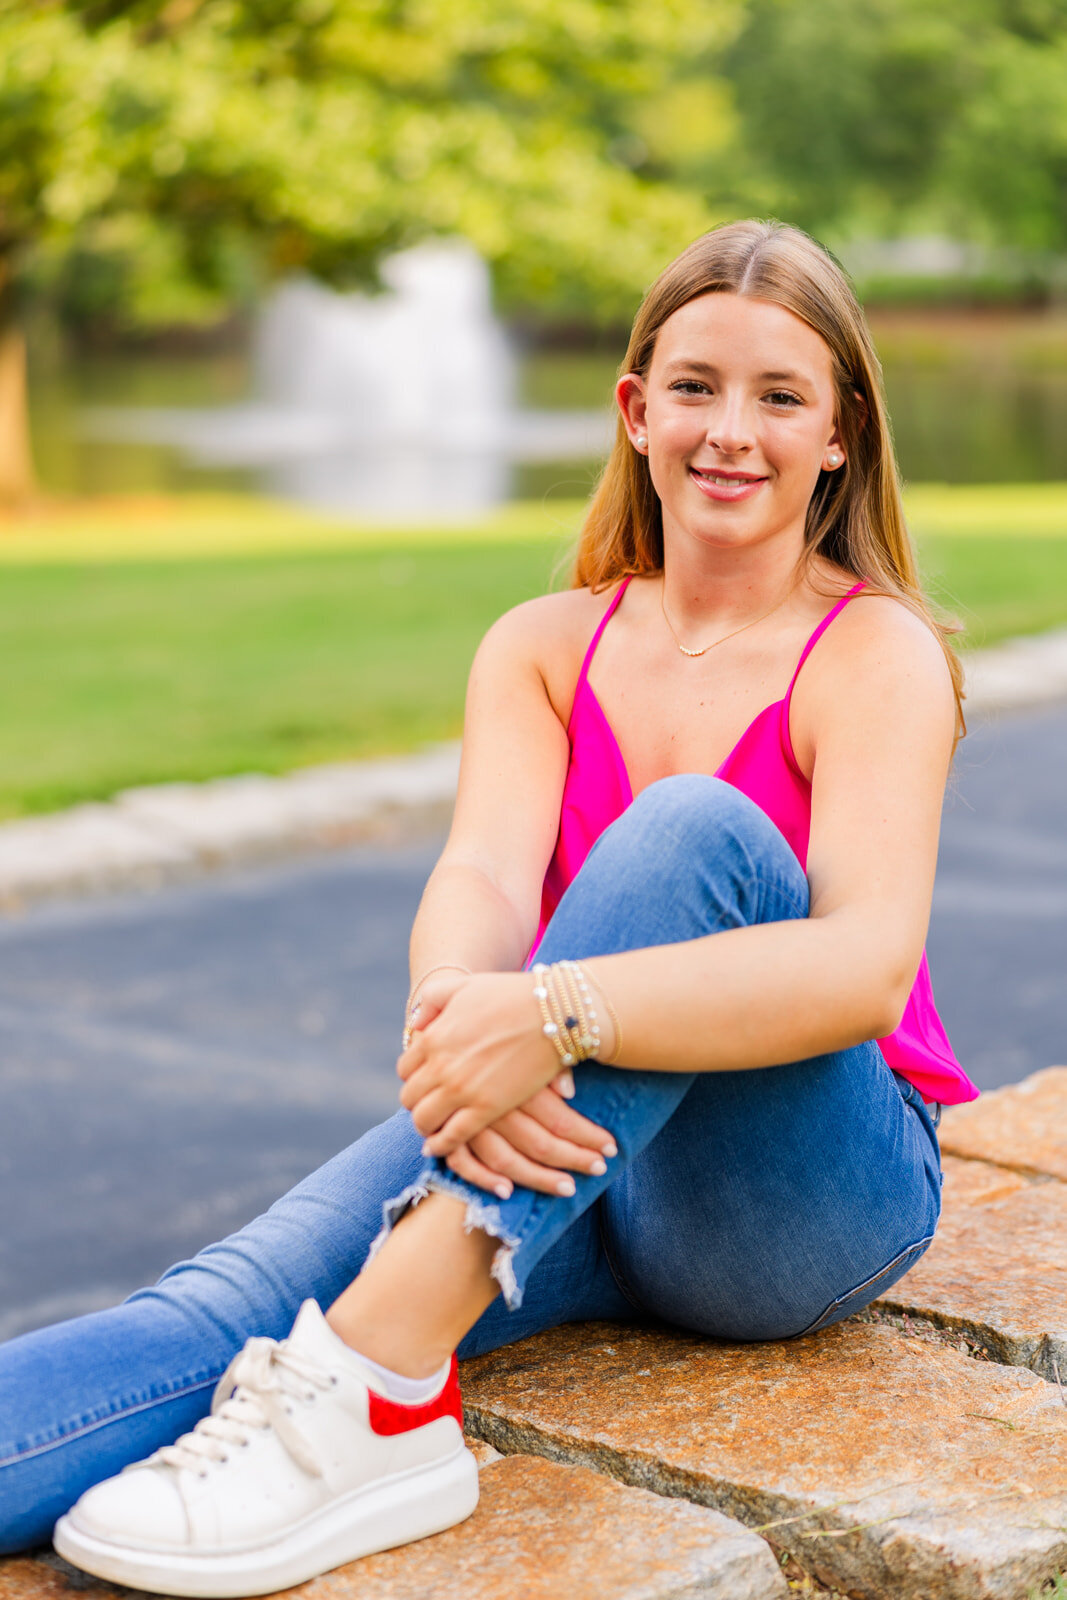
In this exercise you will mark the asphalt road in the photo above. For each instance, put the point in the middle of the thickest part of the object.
(169, 1063)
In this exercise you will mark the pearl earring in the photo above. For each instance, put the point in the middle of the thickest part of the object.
(834, 459)
(641, 441)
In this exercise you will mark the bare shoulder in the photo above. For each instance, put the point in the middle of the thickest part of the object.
(878, 639)
(548, 636)
(878, 667)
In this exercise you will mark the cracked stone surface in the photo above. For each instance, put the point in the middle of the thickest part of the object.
(972, 1183)
(1024, 1126)
(541, 1531)
(483, 1453)
(890, 1467)
(997, 1269)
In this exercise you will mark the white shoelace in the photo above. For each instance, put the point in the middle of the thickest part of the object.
(253, 1393)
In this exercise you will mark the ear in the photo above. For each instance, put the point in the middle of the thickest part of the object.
(630, 397)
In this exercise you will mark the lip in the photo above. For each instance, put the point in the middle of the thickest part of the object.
(743, 486)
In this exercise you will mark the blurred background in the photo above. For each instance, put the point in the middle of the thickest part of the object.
(310, 312)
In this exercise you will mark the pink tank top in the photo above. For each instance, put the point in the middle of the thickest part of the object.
(763, 766)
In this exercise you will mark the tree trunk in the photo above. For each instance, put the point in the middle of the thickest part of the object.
(17, 482)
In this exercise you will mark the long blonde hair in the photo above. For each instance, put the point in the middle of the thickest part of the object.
(855, 518)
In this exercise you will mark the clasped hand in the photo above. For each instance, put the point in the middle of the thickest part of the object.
(483, 1086)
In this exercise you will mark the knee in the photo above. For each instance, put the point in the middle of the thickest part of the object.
(692, 828)
(692, 806)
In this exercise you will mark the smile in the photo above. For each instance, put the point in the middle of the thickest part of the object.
(725, 485)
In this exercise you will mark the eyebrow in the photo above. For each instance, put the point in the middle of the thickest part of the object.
(761, 377)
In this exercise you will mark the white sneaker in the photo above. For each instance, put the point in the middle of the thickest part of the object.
(302, 1465)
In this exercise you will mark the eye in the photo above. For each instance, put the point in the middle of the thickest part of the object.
(689, 386)
(783, 398)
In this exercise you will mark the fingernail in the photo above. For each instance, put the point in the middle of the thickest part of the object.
(503, 1190)
(599, 1167)
(610, 1149)
(565, 1186)
(566, 1087)
(426, 1147)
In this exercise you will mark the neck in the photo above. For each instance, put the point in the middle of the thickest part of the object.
(717, 589)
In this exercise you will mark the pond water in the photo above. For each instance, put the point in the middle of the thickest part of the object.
(973, 398)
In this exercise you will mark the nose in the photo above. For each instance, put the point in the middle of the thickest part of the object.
(729, 426)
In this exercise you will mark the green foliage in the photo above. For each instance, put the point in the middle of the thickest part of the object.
(836, 99)
(195, 143)
(159, 159)
(900, 115)
(1008, 155)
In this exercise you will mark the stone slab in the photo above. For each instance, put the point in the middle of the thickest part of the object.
(973, 1183)
(997, 1269)
(483, 1453)
(540, 1532)
(1023, 1126)
(890, 1467)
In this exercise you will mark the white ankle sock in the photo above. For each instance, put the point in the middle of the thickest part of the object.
(408, 1390)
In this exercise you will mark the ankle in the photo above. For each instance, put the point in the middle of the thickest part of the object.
(387, 1347)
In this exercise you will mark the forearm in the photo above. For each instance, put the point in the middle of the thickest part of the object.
(753, 997)
(464, 919)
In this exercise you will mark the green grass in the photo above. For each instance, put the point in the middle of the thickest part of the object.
(994, 555)
(138, 673)
(1056, 1590)
(183, 640)
(998, 587)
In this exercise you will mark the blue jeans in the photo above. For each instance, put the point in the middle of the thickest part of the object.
(745, 1205)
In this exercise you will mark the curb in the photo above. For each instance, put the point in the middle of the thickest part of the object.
(1029, 671)
(145, 837)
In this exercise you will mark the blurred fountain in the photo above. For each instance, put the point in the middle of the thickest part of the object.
(395, 405)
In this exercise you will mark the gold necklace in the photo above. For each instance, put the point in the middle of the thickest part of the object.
(716, 642)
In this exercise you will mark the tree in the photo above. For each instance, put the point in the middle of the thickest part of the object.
(198, 146)
(899, 115)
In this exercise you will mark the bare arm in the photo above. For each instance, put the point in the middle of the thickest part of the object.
(481, 903)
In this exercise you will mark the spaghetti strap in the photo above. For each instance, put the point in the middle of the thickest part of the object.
(817, 635)
(595, 640)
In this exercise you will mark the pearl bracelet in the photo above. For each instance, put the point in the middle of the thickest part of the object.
(569, 1020)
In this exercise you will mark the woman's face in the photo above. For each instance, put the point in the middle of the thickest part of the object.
(738, 410)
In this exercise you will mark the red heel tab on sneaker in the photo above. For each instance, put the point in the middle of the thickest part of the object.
(392, 1416)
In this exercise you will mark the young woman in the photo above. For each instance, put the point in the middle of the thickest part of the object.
(705, 785)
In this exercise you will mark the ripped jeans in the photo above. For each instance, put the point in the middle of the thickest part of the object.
(745, 1205)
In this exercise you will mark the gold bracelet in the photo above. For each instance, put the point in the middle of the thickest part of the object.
(588, 1027)
(411, 1007)
(614, 1015)
(571, 1005)
(569, 1018)
(544, 993)
(442, 966)
(606, 1061)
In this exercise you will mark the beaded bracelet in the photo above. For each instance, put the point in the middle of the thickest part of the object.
(583, 993)
(569, 1020)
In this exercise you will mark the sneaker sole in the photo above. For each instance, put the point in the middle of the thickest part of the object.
(404, 1508)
